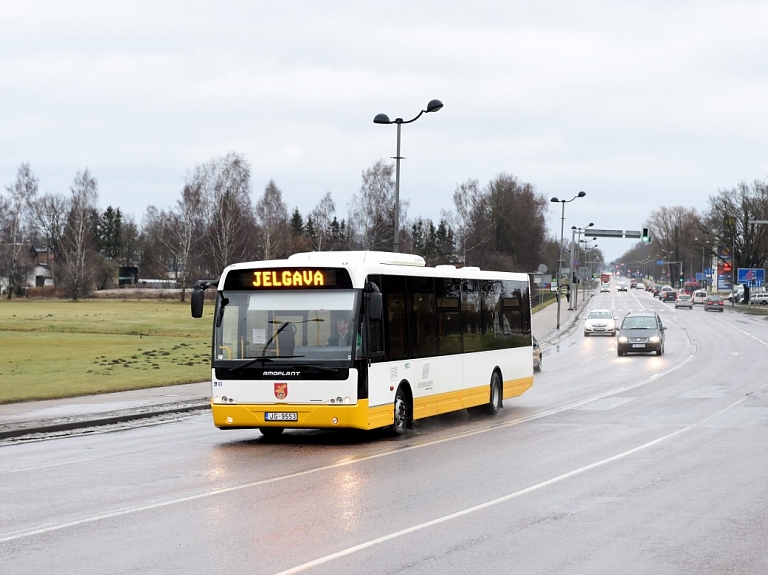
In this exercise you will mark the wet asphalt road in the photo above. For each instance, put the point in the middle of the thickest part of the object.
(638, 464)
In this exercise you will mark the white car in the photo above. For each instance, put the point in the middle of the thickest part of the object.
(605, 287)
(758, 297)
(600, 322)
(699, 296)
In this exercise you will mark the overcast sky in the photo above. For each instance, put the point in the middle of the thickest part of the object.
(640, 104)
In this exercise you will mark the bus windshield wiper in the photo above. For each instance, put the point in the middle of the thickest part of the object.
(263, 359)
(318, 366)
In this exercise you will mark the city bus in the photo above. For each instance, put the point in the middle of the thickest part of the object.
(424, 341)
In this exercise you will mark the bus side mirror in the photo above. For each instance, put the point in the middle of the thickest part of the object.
(375, 306)
(198, 295)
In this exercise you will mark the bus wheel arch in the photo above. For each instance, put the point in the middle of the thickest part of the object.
(495, 401)
(402, 407)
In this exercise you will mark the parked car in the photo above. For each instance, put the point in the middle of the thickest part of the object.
(641, 332)
(736, 295)
(600, 322)
(536, 355)
(758, 297)
(714, 303)
(699, 296)
(684, 300)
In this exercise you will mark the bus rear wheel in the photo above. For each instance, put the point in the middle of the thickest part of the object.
(401, 412)
(271, 431)
(495, 403)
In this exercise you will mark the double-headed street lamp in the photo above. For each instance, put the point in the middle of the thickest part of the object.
(433, 106)
(560, 260)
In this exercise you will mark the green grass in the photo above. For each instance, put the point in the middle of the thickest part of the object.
(54, 349)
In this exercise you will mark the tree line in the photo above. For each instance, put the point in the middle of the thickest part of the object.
(217, 220)
(726, 232)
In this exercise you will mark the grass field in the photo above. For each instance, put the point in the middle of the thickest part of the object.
(52, 349)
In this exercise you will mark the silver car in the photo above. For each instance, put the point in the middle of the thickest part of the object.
(600, 322)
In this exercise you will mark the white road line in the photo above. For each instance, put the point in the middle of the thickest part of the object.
(12, 536)
(36, 467)
(499, 500)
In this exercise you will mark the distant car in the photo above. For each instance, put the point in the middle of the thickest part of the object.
(632, 284)
(699, 296)
(605, 287)
(684, 300)
(641, 332)
(621, 286)
(714, 303)
(536, 355)
(736, 295)
(600, 322)
(760, 298)
(667, 293)
(640, 285)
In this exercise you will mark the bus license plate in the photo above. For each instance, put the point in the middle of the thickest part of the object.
(638, 345)
(281, 416)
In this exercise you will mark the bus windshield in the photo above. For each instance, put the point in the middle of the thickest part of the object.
(290, 327)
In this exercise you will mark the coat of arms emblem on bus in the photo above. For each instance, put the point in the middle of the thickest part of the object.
(281, 390)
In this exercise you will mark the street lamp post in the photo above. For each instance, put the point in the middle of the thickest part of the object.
(586, 241)
(560, 260)
(432, 106)
(576, 263)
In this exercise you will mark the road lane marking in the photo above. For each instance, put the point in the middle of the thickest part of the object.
(39, 530)
(36, 467)
(503, 499)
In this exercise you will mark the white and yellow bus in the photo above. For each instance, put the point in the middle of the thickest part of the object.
(422, 341)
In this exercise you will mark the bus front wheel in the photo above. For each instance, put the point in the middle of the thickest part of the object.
(495, 403)
(401, 414)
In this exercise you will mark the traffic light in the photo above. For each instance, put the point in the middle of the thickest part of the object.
(646, 237)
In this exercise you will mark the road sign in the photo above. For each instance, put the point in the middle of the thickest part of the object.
(659, 262)
(605, 233)
(753, 277)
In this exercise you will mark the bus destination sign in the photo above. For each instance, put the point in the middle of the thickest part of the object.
(288, 279)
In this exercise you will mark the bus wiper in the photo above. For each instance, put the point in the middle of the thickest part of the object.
(263, 359)
(318, 367)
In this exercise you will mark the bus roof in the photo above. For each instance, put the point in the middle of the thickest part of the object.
(362, 263)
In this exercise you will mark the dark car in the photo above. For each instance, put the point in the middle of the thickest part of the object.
(641, 332)
(668, 294)
(714, 303)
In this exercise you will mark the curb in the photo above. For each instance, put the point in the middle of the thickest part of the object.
(20, 429)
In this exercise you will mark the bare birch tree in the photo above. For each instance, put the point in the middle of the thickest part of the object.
(271, 223)
(371, 211)
(77, 270)
(225, 185)
(469, 221)
(322, 216)
(16, 211)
